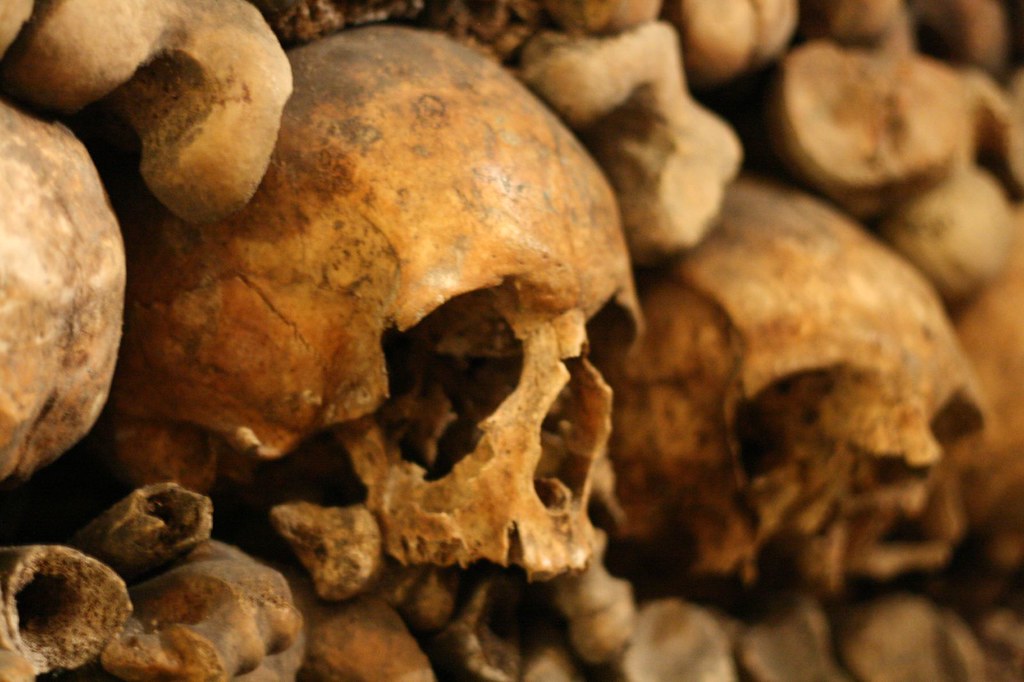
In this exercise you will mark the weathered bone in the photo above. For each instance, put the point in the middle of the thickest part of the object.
(215, 614)
(339, 546)
(58, 607)
(667, 156)
(151, 527)
(62, 275)
(202, 82)
(787, 385)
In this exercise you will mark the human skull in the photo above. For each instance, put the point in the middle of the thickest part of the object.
(795, 388)
(416, 270)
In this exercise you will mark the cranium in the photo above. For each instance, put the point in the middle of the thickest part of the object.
(62, 276)
(416, 270)
(795, 388)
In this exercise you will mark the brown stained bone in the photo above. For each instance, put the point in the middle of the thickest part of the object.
(668, 158)
(789, 382)
(274, 668)
(362, 639)
(62, 278)
(15, 668)
(214, 614)
(496, 28)
(536, 521)
(151, 527)
(957, 233)
(792, 642)
(12, 17)
(947, 216)
(990, 466)
(849, 22)
(601, 16)
(666, 407)
(868, 128)
(725, 39)
(970, 32)
(995, 129)
(202, 83)
(308, 20)
(483, 641)
(288, 407)
(339, 546)
(423, 595)
(677, 641)
(496, 244)
(59, 607)
(906, 637)
(599, 609)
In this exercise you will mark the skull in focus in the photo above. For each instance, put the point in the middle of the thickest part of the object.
(416, 273)
(790, 401)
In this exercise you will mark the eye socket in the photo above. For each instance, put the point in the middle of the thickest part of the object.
(447, 375)
(773, 422)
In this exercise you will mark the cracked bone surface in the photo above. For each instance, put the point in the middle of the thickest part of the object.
(202, 83)
(214, 614)
(454, 250)
(786, 391)
(667, 156)
(391, 368)
(58, 607)
(62, 276)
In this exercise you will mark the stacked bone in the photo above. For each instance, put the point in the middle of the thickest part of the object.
(468, 338)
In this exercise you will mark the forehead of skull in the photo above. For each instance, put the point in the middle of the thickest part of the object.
(430, 172)
(807, 289)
